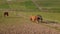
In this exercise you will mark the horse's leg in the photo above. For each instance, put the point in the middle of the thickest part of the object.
(41, 19)
(7, 14)
(37, 21)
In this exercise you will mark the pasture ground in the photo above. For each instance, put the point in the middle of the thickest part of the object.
(19, 11)
(19, 23)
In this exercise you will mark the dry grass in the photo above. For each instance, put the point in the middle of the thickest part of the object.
(26, 28)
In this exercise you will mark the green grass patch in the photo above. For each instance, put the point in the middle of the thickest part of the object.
(48, 3)
(4, 4)
(52, 5)
(29, 5)
(26, 6)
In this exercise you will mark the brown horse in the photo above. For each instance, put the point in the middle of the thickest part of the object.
(6, 14)
(36, 18)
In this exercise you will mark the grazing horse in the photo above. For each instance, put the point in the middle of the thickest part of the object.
(36, 18)
(40, 18)
(6, 14)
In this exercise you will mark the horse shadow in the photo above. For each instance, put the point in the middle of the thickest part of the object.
(49, 22)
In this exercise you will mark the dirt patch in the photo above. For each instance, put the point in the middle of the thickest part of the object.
(27, 28)
(52, 24)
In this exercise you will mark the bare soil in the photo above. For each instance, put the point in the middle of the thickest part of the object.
(26, 28)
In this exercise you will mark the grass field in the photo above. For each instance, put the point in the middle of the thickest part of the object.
(28, 5)
(49, 5)
(20, 20)
(19, 12)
